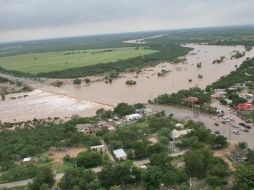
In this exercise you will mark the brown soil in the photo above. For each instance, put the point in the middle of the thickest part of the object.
(57, 156)
(224, 153)
(153, 139)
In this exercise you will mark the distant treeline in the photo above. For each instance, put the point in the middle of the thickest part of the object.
(72, 43)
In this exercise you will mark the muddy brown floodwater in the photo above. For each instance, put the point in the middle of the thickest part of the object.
(149, 85)
(63, 101)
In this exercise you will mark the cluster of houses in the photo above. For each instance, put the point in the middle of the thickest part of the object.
(221, 94)
(89, 128)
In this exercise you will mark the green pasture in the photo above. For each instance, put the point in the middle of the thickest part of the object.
(54, 61)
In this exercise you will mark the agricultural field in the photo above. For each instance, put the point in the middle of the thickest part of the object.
(54, 61)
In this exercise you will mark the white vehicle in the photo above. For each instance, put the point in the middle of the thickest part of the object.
(236, 132)
(227, 120)
(235, 126)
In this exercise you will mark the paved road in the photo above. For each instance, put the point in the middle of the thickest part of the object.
(182, 113)
(15, 184)
(22, 183)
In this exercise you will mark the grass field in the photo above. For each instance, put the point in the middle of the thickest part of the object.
(54, 61)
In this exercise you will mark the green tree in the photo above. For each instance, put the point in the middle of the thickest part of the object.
(156, 148)
(79, 179)
(119, 174)
(197, 162)
(77, 81)
(115, 188)
(123, 109)
(43, 179)
(244, 177)
(88, 159)
(152, 177)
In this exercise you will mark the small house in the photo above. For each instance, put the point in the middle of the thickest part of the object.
(245, 107)
(176, 134)
(120, 154)
(218, 95)
(192, 99)
(87, 128)
(133, 117)
(28, 159)
(179, 126)
(98, 148)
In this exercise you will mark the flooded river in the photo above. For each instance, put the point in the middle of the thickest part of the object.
(150, 85)
(85, 99)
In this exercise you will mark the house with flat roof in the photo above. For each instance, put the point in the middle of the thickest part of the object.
(98, 148)
(28, 159)
(87, 128)
(120, 154)
(176, 134)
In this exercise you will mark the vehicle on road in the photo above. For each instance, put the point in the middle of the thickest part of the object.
(216, 124)
(242, 124)
(236, 126)
(226, 120)
(246, 130)
(248, 127)
(242, 128)
(236, 132)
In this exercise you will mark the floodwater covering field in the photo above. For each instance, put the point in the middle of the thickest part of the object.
(54, 61)
(87, 98)
(40, 104)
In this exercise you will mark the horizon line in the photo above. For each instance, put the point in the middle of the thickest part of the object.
(127, 32)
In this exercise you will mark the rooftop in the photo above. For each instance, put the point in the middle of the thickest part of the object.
(119, 153)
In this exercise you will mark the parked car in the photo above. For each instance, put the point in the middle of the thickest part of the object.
(227, 120)
(248, 127)
(242, 124)
(216, 124)
(223, 122)
(217, 132)
(235, 126)
(246, 130)
(236, 132)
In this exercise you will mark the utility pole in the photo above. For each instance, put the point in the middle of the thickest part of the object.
(190, 182)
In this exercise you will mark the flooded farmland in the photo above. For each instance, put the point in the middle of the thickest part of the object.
(87, 98)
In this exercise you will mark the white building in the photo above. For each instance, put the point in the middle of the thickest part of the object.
(98, 148)
(133, 117)
(179, 126)
(120, 154)
(176, 134)
(28, 159)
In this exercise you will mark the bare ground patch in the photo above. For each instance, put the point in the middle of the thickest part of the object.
(153, 139)
(58, 155)
(224, 153)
